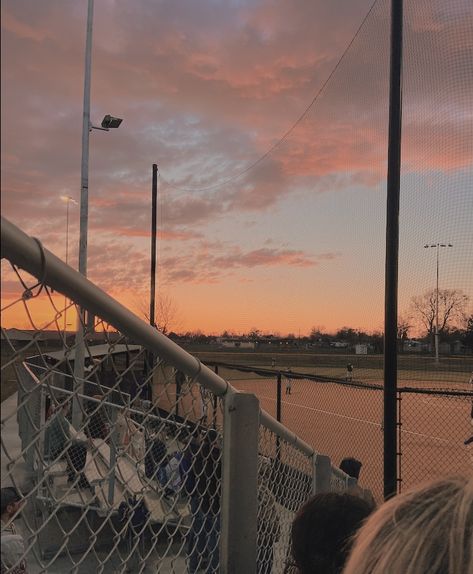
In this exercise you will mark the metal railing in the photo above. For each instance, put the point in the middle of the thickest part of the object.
(168, 468)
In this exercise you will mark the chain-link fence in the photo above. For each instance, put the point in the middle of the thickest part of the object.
(346, 420)
(128, 454)
(434, 428)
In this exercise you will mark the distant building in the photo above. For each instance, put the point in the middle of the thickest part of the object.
(361, 349)
(339, 345)
(458, 348)
(236, 343)
(413, 346)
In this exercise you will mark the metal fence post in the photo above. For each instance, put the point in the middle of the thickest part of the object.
(399, 440)
(278, 414)
(215, 405)
(239, 484)
(113, 456)
(278, 398)
(78, 379)
(322, 473)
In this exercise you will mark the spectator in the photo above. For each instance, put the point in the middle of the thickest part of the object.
(156, 458)
(97, 425)
(134, 517)
(322, 532)
(12, 543)
(203, 482)
(59, 444)
(195, 538)
(426, 530)
(352, 467)
(124, 427)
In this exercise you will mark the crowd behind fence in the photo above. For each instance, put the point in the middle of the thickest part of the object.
(150, 461)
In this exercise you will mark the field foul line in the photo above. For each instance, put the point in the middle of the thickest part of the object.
(355, 419)
(324, 412)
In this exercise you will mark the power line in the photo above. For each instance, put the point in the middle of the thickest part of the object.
(290, 130)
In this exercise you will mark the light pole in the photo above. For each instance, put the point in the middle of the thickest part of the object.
(67, 199)
(108, 123)
(437, 246)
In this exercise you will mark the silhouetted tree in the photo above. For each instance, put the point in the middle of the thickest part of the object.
(166, 313)
(452, 305)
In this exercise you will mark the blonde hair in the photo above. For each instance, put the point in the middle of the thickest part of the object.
(427, 530)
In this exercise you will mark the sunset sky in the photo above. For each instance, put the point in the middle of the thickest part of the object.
(280, 241)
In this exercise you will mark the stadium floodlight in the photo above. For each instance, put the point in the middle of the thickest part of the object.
(436, 334)
(110, 122)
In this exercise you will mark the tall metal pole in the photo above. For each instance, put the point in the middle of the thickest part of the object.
(278, 397)
(67, 257)
(154, 231)
(84, 172)
(392, 251)
(84, 216)
(437, 310)
(154, 208)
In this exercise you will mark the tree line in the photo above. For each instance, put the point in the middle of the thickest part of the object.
(449, 308)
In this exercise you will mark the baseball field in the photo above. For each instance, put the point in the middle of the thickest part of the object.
(341, 420)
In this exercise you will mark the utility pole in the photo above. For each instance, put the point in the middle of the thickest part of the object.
(154, 233)
(84, 218)
(154, 225)
(392, 252)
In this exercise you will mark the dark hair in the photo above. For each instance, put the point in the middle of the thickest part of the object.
(322, 531)
(351, 466)
(9, 495)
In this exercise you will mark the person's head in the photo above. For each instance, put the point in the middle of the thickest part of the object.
(212, 438)
(323, 529)
(11, 502)
(351, 466)
(428, 529)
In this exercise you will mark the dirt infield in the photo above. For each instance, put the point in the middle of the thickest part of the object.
(345, 421)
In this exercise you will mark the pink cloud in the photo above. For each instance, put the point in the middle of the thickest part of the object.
(205, 89)
(21, 29)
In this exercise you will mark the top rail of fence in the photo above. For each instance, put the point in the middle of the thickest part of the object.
(29, 254)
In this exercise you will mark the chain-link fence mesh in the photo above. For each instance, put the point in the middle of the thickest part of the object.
(117, 454)
(434, 431)
(346, 420)
(341, 419)
(136, 483)
(285, 482)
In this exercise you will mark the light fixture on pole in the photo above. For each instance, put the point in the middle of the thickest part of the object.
(108, 123)
(437, 246)
(68, 200)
